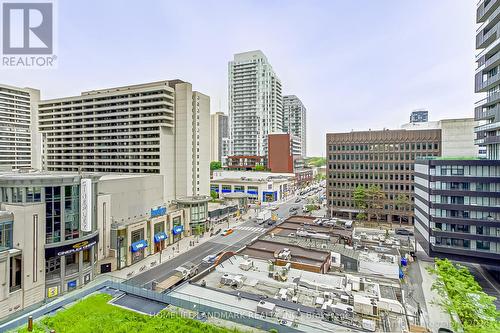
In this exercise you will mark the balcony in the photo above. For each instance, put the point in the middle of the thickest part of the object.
(485, 9)
(488, 127)
(490, 100)
(489, 83)
(483, 40)
(481, 114)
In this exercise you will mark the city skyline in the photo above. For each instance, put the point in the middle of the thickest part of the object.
(405, 63)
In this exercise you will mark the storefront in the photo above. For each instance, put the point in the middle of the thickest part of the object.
(138, 245)
(197, 207)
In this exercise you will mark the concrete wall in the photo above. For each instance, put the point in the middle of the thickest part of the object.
(131, 196)
(202, 165)
(28, 235)
(457, 137)
(183, 139)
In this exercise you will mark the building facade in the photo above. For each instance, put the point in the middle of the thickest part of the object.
(487, 77)
(53, 234)
(294, 120)
(457, 209)
(457, 136)
(20, 140)
(285, 150)
(219, 136)
(384, 158)
(419, 116)
(255, 103)
(135, 224)
(156, 127)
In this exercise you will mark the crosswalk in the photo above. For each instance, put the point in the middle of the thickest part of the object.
(252, 229)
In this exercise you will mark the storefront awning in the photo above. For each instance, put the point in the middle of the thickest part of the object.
(137, 246)
(160, 236)
(177, 229)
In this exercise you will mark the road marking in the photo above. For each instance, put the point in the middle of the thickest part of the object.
(254, 229)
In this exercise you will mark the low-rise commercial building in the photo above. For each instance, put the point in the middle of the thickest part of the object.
(51, 234)
(268, 187)
(457, 209)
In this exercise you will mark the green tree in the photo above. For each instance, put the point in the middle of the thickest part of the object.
(461, 295)
(215, 165)
(375, 201)
(360, 201)
(214, 195)
(402, 204)
(259, 168)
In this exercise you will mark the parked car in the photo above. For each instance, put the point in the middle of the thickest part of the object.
(271, 222)
(404, 232)
(226, 232)
(298, 200)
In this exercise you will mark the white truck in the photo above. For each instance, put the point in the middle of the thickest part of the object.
(181, 273)
(264, 216)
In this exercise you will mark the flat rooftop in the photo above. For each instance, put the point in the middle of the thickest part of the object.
(296, 289)
(269, 250)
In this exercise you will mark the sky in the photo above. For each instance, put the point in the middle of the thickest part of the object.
(356, 65)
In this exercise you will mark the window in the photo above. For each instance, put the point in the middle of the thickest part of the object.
(6, 234)
(483, 245)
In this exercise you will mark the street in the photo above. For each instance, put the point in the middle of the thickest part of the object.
(242, 235)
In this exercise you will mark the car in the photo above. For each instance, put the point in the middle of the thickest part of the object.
(226, 232)
(404, 232)
(294, 208)
(293, 213)
(210, 259)
(271, 222)
(298, 200)
(274, 208)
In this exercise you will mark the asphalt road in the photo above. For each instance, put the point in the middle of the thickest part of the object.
(241, 236)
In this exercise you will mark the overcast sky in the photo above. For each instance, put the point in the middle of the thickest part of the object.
(355, 64)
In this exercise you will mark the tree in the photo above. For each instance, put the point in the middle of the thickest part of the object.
(215, 165)
(402, 203)
(463, 296)
(214, 195)
(375, 199)
(360, 202)
(259, 168)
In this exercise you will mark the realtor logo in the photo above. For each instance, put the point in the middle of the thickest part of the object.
(28, 34)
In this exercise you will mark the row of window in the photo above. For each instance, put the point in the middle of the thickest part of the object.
(371, 166)
(386, 147)
(380, 156)
(466, 244)
(376, 176)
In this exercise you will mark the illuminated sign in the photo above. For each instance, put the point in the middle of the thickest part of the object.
(177, 229)
(77, 247)
(159, 211)
(86, 204)
(52, 292)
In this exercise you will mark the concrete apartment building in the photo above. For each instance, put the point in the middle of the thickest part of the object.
(487, 77)
(20, 140)
(255, 103)
(457, 201)
(419, 116)
(294, 120)
(158, 127)
(385, 158)
(457, 209)
(219, 136)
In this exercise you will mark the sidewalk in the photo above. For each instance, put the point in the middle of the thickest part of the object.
(174, 250)
(437, 317)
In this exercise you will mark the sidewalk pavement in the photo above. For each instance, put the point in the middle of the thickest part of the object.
(173, 250)
(437, 317)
